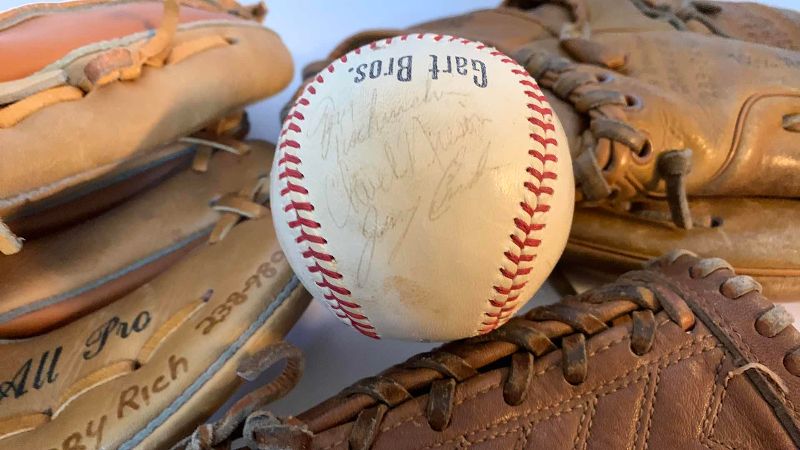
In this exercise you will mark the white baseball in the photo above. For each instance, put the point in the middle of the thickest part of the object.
(423, 188)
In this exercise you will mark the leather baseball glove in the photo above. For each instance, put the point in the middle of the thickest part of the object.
(684, 354)
(150, 366)
(683, 119)
(64, 274)
(92, 91)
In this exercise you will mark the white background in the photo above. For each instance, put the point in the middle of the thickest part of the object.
(336, 356)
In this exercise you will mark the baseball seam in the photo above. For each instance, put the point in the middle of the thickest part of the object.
(323, 265)
(530, 223)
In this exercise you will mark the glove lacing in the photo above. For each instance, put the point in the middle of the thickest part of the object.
(637, 298)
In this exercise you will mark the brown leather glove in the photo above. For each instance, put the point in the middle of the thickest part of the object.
(683, 120)
(685, 354)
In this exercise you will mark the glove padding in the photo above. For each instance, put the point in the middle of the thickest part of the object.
(683, 120)
(146, 369)
(88, 86)
(65, 274)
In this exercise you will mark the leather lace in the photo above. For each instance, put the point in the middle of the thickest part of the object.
(224, 134)
(212, 434)
(22, 98)
(564, 326)
(699, 11)
(567, 326)
(611, 145)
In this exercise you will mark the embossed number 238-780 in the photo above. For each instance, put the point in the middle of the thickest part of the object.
(223, 310)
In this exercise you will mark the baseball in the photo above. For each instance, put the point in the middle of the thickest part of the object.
(422, 188)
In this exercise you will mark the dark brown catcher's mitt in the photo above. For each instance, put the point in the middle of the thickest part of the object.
(683, 119)
(685, 354)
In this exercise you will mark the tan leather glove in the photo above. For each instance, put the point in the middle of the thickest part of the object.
(151, 279)
(683, 120)
(200, 294)
(89, 88)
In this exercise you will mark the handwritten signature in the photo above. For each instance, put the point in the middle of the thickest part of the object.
(407, 145)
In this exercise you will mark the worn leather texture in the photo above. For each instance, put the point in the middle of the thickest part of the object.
(146, 369)
(684, 354)
(758, 237)
(67, 274)
(682, 119)
(119, 80)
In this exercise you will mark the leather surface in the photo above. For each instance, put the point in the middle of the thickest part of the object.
(682, 393)
(734, 151)
(418, 215)
(141, 115)
(154, 364)
(33, 44)
(65, 275)
(757, 236)
(635, 82)
(86, 200)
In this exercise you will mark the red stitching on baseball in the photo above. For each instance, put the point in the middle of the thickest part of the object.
(305, 237)
(505, 306)
(289, 158)
(332, 287)
(346, 309)
(544, 142)
(540, 123)
(531, 84)
(289, 143)
(541, 176)
(311, 253)
(316, 268)
(543, 158)
(291, 187)
(535, 96)
(538, 190)
(540, 110)
(529, 222)
(303, 222)
(337, 303)
(290, 173)
(301, 206)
